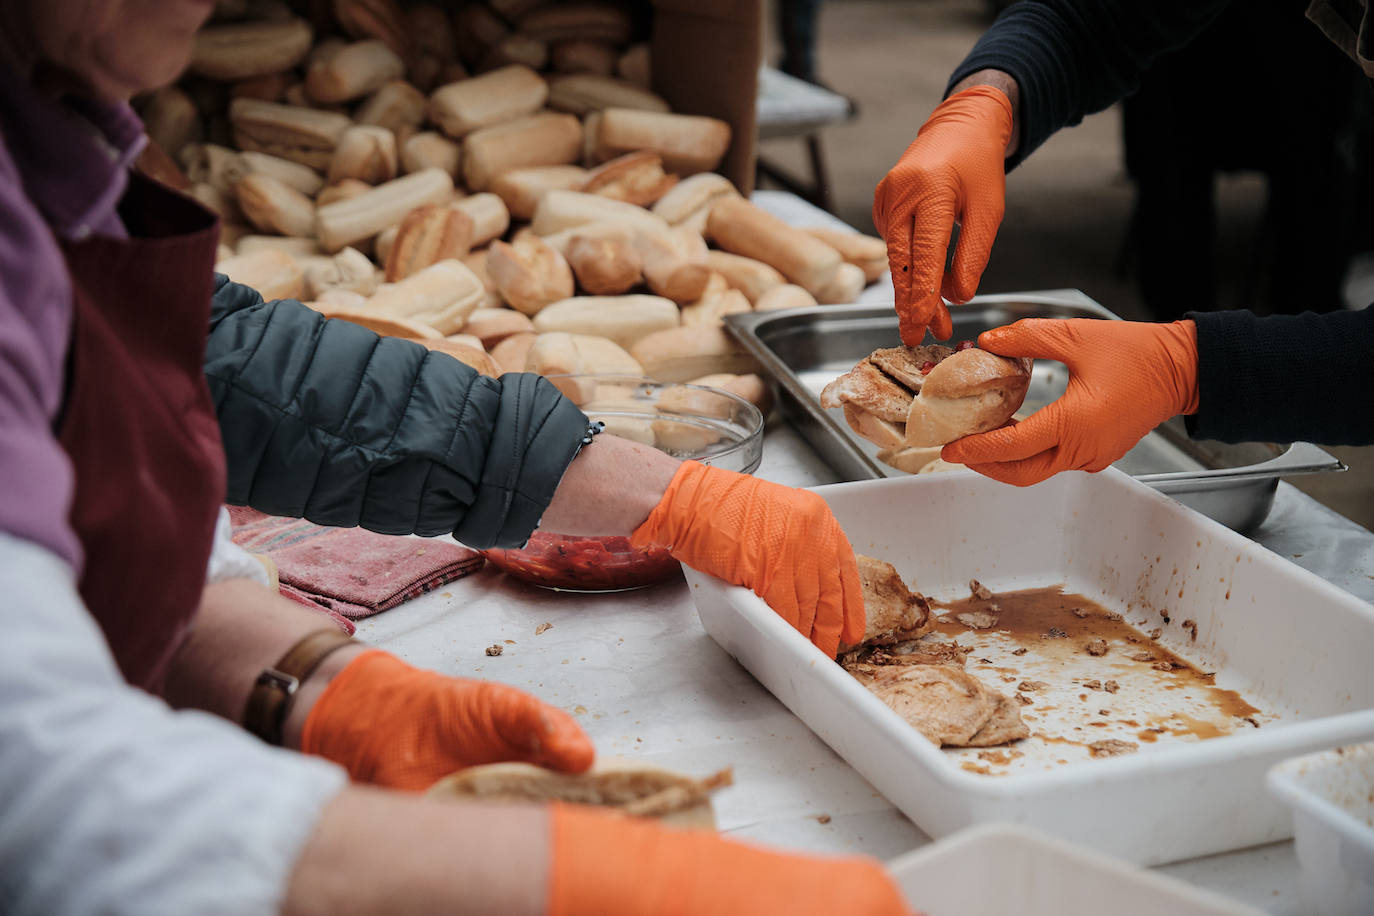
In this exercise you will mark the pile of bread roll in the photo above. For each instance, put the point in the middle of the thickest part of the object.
(499, 183)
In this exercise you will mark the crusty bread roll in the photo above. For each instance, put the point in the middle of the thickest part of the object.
(689, 202)
(579, 355)
(843, 287)
(529, 272)
(521, 189)
(787, 296)
(920, 397)
(864, 251)
(753, 278)
(691, 351)
(742, 228)
(623, 319)
(687, 143)
(490, 218)
(605, 265)
(472, 356)
(559, 210)
(381, 323)
(493, 325)
(512, 353)
(501, 95)
(546, 138)
(274, 274)
(636, 178)
(583, 93)
(632, 788)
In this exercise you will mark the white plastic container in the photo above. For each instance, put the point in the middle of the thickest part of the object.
(1332, 797)
(1290, 643)
(1008, 868)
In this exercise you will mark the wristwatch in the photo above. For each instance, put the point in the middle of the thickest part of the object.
(270, 699)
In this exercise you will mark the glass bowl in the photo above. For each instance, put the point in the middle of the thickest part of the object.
(692, 422)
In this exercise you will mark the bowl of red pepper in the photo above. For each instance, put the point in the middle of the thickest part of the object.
(691, 422)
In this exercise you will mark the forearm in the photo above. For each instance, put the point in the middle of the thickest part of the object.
(240, 629)
(1007, 85)
(610, 488)
(421, 856)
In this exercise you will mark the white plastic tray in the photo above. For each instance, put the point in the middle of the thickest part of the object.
(1292, 644)
(1008, 868)
(1332, 796)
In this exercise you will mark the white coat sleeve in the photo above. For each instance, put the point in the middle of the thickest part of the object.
(113, 803)
(230, 561)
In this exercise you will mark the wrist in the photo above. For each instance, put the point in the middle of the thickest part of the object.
(1004, 83)
(310, 689)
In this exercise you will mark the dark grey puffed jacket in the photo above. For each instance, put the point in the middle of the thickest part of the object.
(327, 421)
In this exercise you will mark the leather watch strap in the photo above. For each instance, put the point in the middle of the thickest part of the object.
(270, 699)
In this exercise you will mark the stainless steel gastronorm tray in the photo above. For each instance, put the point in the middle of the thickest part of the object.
(803, 349)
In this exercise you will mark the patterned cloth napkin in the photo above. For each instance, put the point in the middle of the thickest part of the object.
(349, 573)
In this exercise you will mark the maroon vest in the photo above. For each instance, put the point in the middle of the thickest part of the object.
(140, 427)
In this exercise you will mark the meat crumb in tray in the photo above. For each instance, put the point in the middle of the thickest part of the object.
(1048, 677)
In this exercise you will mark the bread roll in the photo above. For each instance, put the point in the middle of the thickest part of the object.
(246, 49)
(559, 210)
(346, 222)
(301, 177)
(583, 93)
(272, 206)
(476, 262)
(753, 278)
(274, 274)
(429, 150)
(347, 189)
(738, 226)
(475, 357)
(604, 265)
(578, 21)
(787, 296)
(682, 353)
(636, 178)
(491, 326)
(442, 296)
(522, 189)
(689, 201)
(349, 270)
(516, 50)
(711, 309)
(904, 397)
(629, 787)
(539, 139)
(580, 55)
(623, 319)
(863, 251)
(428, 234)
(501, 95)
(560, 353)
(294, 246)
(352, 71)
(381, 324)
(364, 153)
(530, 273)
(171, 120)
(490, 218)
(748, 386)
(687, 143)
(512, 353)
(969, 392)
(843, 287)
(394, 106)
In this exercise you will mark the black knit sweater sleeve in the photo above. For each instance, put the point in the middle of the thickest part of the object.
(1074, 57)
(1285, 378)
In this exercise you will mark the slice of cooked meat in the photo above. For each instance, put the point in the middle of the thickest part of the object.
(914, 652)
(894, 612)
(946, 705)
(867, 388)
(905, 363)
(1004, 726)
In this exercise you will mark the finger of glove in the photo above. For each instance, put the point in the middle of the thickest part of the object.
(855, 617)
(535, 732)
(798, 593)
(977, 231)
(1037, 433)
(1017, 473)
(941, 325)
(1044, 338)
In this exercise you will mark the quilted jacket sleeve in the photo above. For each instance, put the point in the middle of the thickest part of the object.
(327, 421)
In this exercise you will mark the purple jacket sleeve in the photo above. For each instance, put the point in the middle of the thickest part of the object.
(35, 322)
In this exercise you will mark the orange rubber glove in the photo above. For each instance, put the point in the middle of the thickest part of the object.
(606, 865)
(780, 541)
(1125, 378)
(394, 725)
(953, 170)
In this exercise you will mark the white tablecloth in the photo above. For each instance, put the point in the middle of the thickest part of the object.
(645, 681)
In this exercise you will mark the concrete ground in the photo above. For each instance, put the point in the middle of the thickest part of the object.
(1067, 206)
